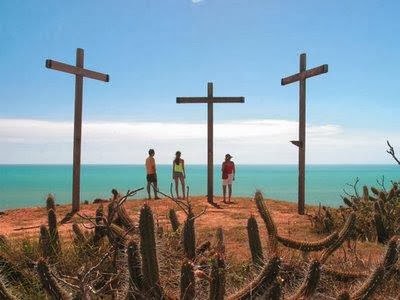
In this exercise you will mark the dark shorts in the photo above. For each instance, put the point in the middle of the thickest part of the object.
(178, 175)
(152, 178)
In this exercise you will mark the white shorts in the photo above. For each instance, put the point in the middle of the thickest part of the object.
(229, 180)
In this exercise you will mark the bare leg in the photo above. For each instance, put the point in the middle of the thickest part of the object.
(148, 189)
(230, 193)
(183, 187)
(176, 187)
(224, 192)
(155, 190)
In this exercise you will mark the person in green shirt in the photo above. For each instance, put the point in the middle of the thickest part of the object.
(178, 173)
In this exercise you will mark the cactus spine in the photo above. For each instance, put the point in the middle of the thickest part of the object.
(310, 283)
(53, 231)
(50, 285)
(262, 282)
(217, 283)
(50, 202)
(135, 265)
(173, 218)
(269, 222)
(254, 241)
(381, 231)
(189, 237)
(344, 295)
(5, 294)
(371, 285)
(44, 242)
(151, 280)
(188, 284)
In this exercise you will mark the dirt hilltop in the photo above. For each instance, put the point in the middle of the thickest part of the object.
(25, 222)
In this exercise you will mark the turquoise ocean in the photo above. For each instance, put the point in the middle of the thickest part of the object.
(28, 185)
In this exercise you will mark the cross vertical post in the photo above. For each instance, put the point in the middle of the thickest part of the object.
(210, 143)
(79, 72)
(76, 167)
(301, 143)
(210, 100)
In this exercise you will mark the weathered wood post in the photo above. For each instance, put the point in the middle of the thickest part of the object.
(210, 100)
(301, 143)
(79, 73)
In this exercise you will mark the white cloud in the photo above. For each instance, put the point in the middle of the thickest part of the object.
(252, 141)
(197, 1)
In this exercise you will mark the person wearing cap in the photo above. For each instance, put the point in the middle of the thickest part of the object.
(228, 176)
(151, 173)
(178, 173)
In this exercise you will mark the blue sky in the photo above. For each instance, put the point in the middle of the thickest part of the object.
(155, 51)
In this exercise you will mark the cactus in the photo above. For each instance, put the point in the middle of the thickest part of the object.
(344, 275)
(151, 280)
(275, 292)
(124, 218)
(375, 190)
(122, 290)
(365, 193)
(381, 231)
(217, 283)
(370, 286)
(50, 202)
(310, 283)
(391, 255)
(189, 237)
(203, 247)
(254, 241)
(269, 222)
(53, 231)
(309, 246)
(50, 285)
(45, 243)
(344, 295)
(79, 237)
(188, 284)
(343, 235)
(219, 241)
(262, 282)
(5, 294)
(173, 218)
(135, 265)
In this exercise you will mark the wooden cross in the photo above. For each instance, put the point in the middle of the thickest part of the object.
(79, 73)
(210, 100)
(301, 143)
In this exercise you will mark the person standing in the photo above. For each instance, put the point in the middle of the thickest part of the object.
(178, 173)
(228, 176)
(151, 174)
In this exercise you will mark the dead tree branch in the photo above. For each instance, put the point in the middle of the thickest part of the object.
(392, 153)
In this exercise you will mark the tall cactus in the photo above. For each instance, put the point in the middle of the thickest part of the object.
(45, 242)
(135, 265)
(151, 279)
(254, 241)
(50, 202)
(381, 231)
(269, 222)
(188, 284)
(310, 283)
(50, 285)
(219, 241)
(217, 283)
(53, 231)
(262, 283)
(369, 287)
(189, 237)
(5, 294)
(173, 218)
(343, 235)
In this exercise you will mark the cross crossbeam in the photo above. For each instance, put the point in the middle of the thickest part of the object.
(80, 72)
(209, 100)
(301, 143)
